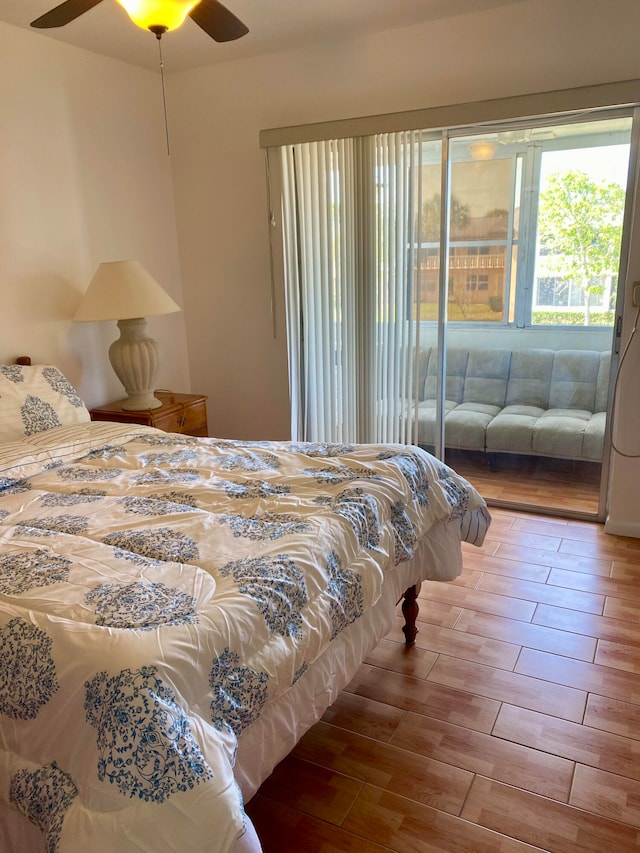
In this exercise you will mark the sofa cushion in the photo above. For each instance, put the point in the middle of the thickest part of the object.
(456, 371)
(486, 377)
(593, 441)
(530, 378)
(573, 379)
(602, 383)
(560, 432)
(466, 425)
(513, 428)
(427, 420)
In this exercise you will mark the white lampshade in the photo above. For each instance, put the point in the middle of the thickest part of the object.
(120, 290)
(124, 291)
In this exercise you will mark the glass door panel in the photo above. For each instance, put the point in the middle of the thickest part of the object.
(535, 228)
(427, 302)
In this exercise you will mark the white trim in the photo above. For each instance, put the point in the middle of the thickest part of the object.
(622, 528)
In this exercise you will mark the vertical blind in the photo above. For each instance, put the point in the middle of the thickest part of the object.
(350, 238)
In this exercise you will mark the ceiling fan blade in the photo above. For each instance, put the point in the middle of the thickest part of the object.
(217, 21)
(64, 13)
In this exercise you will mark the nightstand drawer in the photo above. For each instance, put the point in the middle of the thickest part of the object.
(188, 419)
(183, 413)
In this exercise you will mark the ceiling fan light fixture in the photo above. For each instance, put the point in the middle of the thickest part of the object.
(158, 14)
(482, 149)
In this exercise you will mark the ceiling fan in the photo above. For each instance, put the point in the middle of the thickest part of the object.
(159, 16)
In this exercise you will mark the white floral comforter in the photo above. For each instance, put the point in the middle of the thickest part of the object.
(156, 591)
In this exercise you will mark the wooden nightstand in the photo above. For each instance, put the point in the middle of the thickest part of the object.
(185, 413)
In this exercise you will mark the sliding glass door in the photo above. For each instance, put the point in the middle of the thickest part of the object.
(500, 360)
(536, 218)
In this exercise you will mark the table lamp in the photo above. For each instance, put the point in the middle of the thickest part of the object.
(124, 291)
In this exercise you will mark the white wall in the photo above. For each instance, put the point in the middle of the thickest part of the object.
(84, 178)
(217, 112)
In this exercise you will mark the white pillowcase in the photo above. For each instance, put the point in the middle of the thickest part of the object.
(35, 398)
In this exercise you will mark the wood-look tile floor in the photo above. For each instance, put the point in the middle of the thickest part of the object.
(512, 725)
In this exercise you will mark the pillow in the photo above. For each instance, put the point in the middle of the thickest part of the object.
(34, 398)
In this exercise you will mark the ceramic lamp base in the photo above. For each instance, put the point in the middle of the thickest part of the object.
(134, 358)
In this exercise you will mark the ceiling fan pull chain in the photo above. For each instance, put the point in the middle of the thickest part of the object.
(164, 97)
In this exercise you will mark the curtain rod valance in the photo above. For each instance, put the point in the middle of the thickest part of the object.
(624, 93)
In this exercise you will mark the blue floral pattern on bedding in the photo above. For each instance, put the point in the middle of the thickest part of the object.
(106, 453)
(345, 594)
(268, 525)
(278, 588)
(13, 372)
(239, 693)
(179, 498)
(360, 510)
(81, 474)
(415, 472)
(161, 543)
(140, 604)
(58, 382)
(457, 495)
(10, 486)
(404, 533)
(152, 506)
(172, 476)
(249, 461)
(72, 498)
(322, 450)
(339, 474)
(75, 525)
(171, 457)
(27, 670)
(43, 796)
(257, 489)
(26, 570)
(145, 744)
(38, 415)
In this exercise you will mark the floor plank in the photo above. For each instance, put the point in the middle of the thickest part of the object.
(404, 772)
(486, 755)
(579, 743)
(422, 829)
(546, 824)
(554, 699)
(606, 794)
(526, 634)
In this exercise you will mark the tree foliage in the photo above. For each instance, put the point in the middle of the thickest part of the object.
(580, 228)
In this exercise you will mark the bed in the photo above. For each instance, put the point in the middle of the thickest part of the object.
(175, 612)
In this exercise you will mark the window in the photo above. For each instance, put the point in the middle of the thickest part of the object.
(535, 221)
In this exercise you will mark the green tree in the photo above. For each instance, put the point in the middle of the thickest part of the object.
(459, 216)
(580, 228)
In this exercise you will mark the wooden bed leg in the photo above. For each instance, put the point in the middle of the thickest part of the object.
(410, 612)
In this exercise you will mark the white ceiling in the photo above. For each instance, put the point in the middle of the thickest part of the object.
(273, 25)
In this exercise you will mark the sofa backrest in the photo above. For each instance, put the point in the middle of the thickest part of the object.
(602, 383)
(456, 371)
(573, 379)
(487, 376)
(530, 378)
(545, 378)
